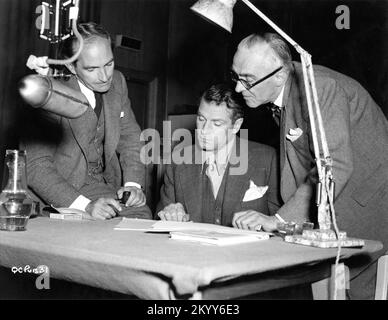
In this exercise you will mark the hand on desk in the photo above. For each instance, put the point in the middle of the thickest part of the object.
(174, 212)
(252, 220)
(103, 208)
(136, 199)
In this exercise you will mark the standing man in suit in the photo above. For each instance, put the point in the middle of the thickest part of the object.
(357, 135)
(88, 162)
(209, 190)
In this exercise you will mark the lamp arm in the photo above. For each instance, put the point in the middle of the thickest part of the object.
(297, 47)
(310, 71)
(325, 190)
(314, 134)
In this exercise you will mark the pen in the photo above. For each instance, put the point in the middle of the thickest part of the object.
(280, 218)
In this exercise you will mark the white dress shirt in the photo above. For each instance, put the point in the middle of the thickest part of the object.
(217, 163)
(279, 99)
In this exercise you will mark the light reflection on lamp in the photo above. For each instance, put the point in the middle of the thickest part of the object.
(221, 12)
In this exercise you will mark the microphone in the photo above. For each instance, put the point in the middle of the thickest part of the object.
(59, 21)
(56, 19)
(52, 95)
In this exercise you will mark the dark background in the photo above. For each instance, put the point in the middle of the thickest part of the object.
(181, 53)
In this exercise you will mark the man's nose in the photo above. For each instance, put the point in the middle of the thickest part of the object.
(239, 87)
(103, 75)
(205, 127)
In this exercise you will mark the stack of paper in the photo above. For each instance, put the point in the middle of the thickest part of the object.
(210, 232)
(133, 224)
(70, 214)
(217, 238)
(66, 216)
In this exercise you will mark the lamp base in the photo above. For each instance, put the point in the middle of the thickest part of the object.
(322, 238)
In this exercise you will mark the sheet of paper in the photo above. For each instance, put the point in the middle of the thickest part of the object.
(69, 210)
(179, 226)
(168, 226)
(135, 224)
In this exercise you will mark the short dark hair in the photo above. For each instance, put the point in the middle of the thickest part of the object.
(222, 93)
(89, 31)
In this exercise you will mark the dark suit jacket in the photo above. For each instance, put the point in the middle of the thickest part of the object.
(57, 162)
(182, 183)
(357, 135)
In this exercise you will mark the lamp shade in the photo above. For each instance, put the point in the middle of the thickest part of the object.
(217, 11)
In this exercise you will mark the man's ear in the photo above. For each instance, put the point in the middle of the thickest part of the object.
(71, 68)
(237, 125)
(281, 77)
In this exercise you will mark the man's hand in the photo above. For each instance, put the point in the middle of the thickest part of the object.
(136, 199)
(174, 212)
(253, 220)
(103, 208)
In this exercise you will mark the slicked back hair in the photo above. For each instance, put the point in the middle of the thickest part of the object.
(222, 93)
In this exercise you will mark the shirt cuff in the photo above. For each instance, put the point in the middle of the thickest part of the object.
(132, 184)
(80, 203)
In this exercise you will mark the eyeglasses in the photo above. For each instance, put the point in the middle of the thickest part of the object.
(235, 78)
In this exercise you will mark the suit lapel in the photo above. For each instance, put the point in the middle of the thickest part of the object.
(285, 116)
(234, 192)
(77, 125)
(191, 180)
(235, 184)
(292, 116)
(111, 109)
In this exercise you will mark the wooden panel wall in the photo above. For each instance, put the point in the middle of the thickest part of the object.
(147, 21)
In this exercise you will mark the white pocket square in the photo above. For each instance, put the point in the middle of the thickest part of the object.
(122, 114)
(294, 134)
(254, 192)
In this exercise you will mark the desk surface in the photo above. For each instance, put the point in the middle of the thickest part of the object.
(148, 265)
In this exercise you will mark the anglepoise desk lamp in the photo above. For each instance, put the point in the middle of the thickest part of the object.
(221, 13)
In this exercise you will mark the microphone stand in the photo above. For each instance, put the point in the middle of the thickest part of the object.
(58, 31)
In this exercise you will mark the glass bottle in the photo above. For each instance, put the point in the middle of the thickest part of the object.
(15, 204)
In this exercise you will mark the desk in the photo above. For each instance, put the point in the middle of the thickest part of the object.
(151, 266)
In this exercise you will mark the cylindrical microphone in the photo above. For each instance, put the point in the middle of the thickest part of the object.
(53, 96)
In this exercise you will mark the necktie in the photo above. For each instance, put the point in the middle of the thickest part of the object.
(276, 111)
(98, 107)
(212, 173)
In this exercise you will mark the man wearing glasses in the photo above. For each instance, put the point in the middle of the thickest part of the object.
(357, 135)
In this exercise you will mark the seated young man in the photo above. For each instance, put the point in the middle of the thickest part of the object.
(225, 177)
